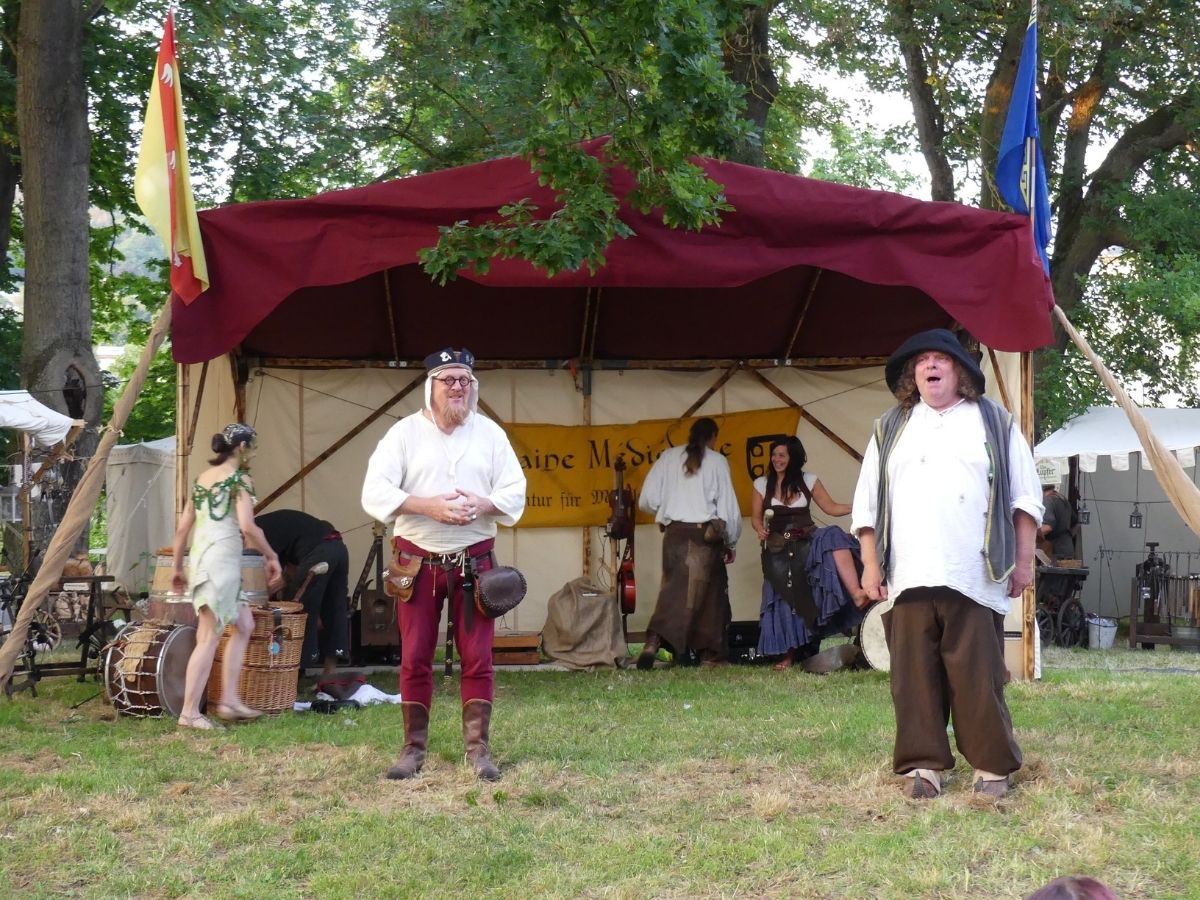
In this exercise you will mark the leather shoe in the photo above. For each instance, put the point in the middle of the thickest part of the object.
(997, 789)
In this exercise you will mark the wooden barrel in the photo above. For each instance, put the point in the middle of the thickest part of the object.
(167, 606)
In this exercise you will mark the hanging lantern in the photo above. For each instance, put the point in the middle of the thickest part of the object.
(1085, 514)
(1135, 517)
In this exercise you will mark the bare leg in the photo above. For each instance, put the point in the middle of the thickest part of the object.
(330, 667)
(235, 655)
(848, 575)
(199, 665)
(785, 662)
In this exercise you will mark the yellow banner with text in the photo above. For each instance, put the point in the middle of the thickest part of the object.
(570, 471)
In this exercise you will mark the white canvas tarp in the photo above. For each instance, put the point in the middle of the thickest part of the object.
(1105, 431)
(46, 427)
(141, 509)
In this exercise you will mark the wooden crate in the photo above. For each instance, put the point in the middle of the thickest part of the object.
(516, 648)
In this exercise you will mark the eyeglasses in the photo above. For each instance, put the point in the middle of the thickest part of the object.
(450, 381)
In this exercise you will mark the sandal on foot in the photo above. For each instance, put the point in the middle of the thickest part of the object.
(237, 713)
(995, 789)
(200, 723)
(925, 784)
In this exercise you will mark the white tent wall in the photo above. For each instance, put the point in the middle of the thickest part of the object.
(140, 486)
(299, 413)
(1111, 549)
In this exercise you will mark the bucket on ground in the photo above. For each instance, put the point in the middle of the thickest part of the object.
(1101, 632)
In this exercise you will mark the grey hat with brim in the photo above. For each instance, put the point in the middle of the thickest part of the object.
(938, 340)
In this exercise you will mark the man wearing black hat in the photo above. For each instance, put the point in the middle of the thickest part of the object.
(445, 477)
(947, 509)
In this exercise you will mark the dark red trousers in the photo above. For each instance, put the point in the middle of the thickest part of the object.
(421, 616)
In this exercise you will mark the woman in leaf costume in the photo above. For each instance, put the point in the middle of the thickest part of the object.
(221, 510)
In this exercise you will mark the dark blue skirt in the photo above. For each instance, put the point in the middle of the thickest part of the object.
(781, 629)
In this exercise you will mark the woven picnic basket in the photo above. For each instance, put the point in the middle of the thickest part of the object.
(271, 670)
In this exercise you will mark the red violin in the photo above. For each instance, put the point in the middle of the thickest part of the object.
(621, 527)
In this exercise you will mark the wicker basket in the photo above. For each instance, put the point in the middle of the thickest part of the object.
(269, 680)
(290, 637)
(271, 690)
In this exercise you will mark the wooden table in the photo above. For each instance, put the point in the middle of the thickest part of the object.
(92, 638)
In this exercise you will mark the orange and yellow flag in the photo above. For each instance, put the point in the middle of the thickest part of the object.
(162, 183)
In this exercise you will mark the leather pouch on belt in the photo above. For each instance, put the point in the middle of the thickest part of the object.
(401, 576)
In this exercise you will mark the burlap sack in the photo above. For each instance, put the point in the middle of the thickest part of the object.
(583, 628)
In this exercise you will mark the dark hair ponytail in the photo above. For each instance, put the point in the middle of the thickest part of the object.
(703, 431)
(225, 442)
(222, 448)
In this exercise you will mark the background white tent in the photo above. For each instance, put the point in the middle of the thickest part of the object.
(1113, 477)
(141, 509)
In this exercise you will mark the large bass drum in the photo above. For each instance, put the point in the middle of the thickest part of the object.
(871, 639)
(145, 668)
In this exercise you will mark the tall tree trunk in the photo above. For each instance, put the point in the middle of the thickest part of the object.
(995, 108)
(57, 362)
(931, 124)
(748, 62)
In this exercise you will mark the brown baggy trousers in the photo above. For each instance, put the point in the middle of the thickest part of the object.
(947, 664)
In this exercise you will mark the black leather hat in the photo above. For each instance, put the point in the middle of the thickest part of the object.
(939, 340)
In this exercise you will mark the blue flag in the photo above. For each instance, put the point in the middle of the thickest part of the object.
(1020, 168)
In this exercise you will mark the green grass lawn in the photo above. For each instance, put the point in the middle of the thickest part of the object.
(673, 783)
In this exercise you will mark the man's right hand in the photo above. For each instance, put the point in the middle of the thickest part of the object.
(449, 509)
(872, 582)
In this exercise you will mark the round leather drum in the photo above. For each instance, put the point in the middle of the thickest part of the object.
(167, 606)
(144, 668)
(871, 640)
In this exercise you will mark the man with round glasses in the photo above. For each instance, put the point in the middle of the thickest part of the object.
(444, 477)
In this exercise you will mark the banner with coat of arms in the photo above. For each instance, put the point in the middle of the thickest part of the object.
(569, 468)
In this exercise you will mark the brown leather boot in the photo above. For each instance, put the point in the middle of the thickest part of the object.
(416, 739)
(477, 718)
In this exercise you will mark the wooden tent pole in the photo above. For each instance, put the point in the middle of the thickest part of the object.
(196, 407)
(1029, 596)
(183, 441)
(717, 385)
(805, 414)
(1000, 381)
(82, 502)
(808, 296)
(339, 443)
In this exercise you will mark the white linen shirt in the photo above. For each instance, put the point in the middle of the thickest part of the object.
(938, 477)
(674, 496)
(416, 458)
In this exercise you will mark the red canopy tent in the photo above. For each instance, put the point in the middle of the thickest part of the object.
(803, 275)
(801, 270)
